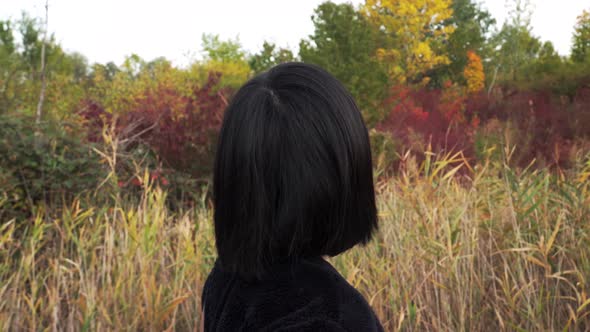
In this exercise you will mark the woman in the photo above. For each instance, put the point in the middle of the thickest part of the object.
(292, 183)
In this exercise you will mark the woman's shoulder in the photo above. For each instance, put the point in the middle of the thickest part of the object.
(305, 295)
(354, 312)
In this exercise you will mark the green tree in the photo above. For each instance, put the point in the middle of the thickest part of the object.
(550, 71)
(6, 37)
(216, 49)
(345, 44)
(10, 66)
(581, 38)
(515, 46)
(20, 79)
(472, 25)
(226, 57)
(269, 56)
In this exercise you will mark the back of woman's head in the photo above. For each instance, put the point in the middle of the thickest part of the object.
(293, 175)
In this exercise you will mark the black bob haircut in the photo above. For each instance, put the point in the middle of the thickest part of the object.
(293, 176)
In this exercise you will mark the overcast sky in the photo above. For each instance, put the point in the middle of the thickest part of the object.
(109, 30)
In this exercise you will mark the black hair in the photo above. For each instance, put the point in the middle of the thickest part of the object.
(293, 176)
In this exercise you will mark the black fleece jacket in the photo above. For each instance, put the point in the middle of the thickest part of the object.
(306, 296)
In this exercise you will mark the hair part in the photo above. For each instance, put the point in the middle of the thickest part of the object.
(293, 176)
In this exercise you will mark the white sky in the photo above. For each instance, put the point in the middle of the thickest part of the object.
(109, 30)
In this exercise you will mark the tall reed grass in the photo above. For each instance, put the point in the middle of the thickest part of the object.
(459, 249)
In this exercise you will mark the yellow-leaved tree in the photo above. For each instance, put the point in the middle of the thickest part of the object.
(416, 31)
(473, 73)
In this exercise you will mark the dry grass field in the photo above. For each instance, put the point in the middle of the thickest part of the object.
(490, 249)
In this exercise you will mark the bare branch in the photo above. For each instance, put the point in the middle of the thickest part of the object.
(43, 78)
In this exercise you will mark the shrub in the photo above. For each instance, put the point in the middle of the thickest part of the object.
(183, 139)
(172, 131)
(434, 117)
(546, 124)
(543, 125)
(54, 165)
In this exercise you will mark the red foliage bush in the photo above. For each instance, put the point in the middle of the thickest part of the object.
(96, 118)
(179, 129)
(183, 140)
(431, 116)
(547, 125)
